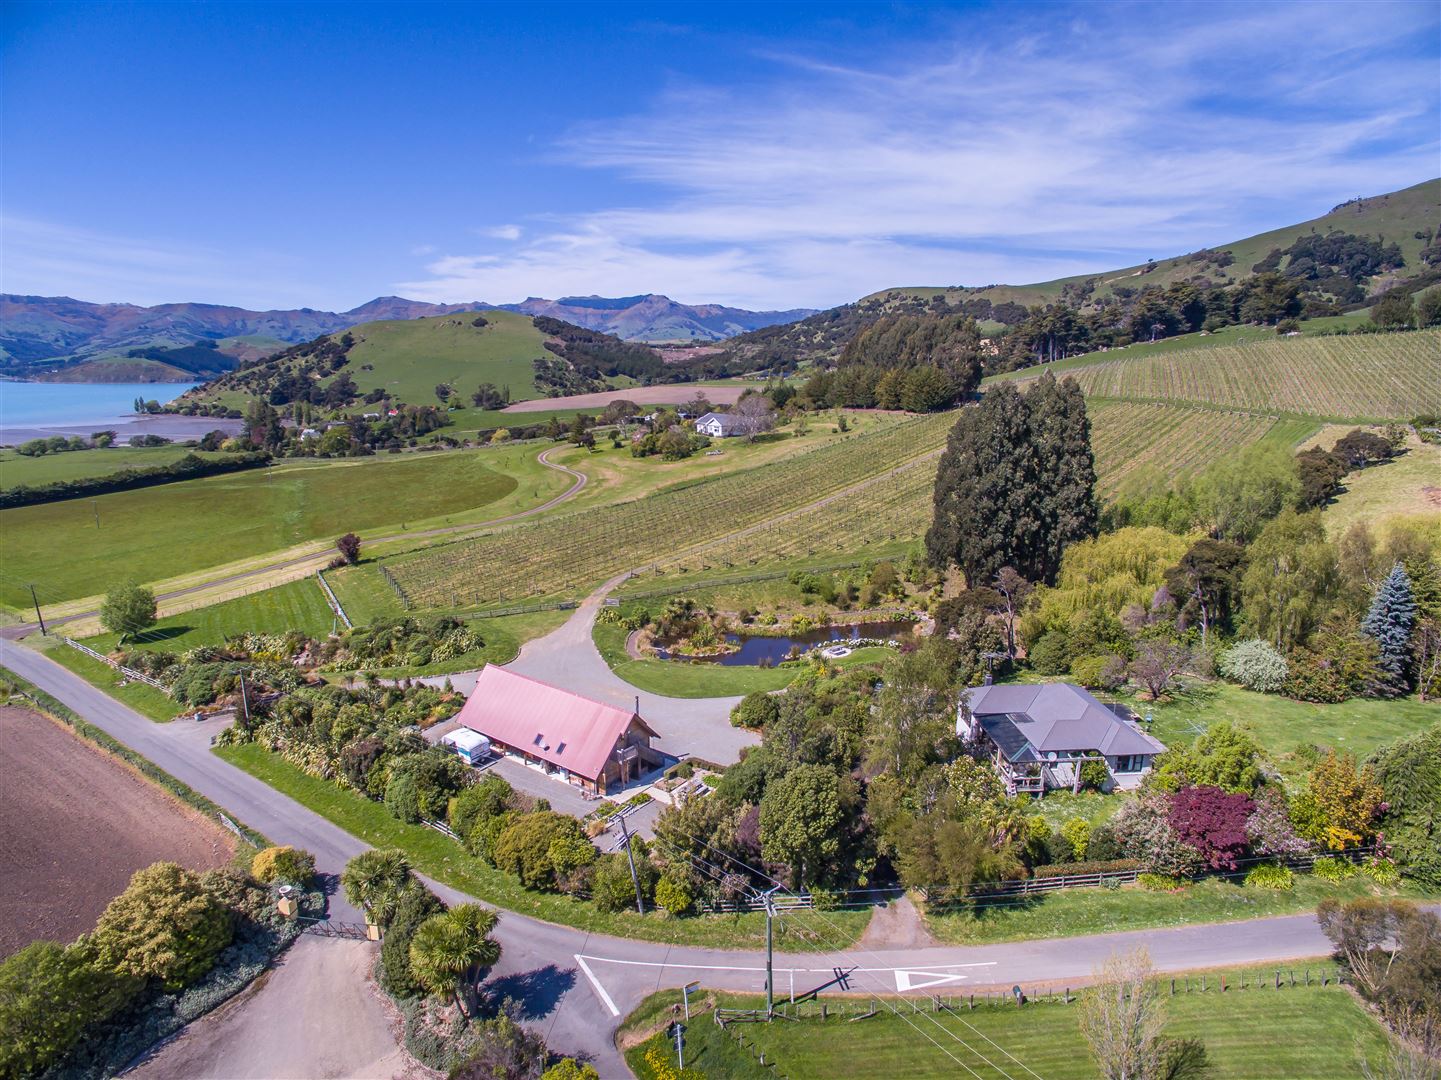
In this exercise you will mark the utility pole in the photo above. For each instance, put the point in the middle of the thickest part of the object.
(769, 898)
(630, 858)
(95, 505)
(244, 701)
(38, 617)
(680, 1045)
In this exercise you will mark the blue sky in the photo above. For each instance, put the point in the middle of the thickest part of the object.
(764, 155)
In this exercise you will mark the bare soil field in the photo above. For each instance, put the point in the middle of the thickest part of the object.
(75, 824)
(641, 395)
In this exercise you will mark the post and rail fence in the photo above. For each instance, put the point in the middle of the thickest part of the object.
(129, 673)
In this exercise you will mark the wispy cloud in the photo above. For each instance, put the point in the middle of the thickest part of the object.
(1008, 153)
(501, 232)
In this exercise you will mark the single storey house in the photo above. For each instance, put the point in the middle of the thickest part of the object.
(719, 425)
(594, 746)
(1039, 735)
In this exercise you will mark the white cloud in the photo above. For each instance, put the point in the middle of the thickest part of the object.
(501, 232)
(1005, 154)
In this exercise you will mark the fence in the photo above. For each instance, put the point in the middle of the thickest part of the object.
(389, 577)
(129, 673)
(734, 579)
(330, 598)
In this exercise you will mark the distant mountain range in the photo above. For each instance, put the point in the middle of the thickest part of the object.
(60, 337)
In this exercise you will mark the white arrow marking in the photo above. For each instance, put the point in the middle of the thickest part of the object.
(923, 980)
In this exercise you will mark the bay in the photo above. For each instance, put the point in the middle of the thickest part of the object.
(63, 405)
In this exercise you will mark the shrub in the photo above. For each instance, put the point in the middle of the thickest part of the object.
(1086, 670)
(479, 802)
(673, 896)
(1213, 822)
(1094, 776)
(1383, 872)
(1050, 655)
(1329, 868)
(1077, 834)
(401, 797)
(756, 710)
(1269, 876)
(529, 846)
(416, 904)
(1255, 665)
(1159, 882)
(164, 926)
(283, 864)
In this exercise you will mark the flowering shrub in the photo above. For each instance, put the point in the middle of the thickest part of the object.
(1256, 665)
(1143, 829)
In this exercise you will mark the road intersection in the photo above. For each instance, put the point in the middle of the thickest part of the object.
(574, 986)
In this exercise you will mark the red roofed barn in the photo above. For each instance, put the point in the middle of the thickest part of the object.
(592, 745)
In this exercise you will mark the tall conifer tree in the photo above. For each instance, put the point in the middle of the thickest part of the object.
(1390, 621)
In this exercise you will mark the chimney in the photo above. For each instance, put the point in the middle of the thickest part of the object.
(637, 704)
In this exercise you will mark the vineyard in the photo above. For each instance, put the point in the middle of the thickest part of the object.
(564, 553)
(1363, 377)
(852, 495)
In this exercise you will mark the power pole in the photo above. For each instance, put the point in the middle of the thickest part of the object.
(680, 1045)
(630, 858)
(244, 701)
(38, 617)
(769, 898)
(95, 505)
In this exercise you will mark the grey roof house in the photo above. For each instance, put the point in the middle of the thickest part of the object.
(719, 425)
(1038, 735)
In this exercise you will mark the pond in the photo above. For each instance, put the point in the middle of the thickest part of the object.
(755, 650)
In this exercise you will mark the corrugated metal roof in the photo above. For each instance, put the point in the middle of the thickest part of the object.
(1062, 718)
(545, 721)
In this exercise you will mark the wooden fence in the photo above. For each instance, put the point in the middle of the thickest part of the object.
(129, 673)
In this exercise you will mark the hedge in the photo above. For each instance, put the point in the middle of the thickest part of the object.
(147, 768)
(189, 467)
(1103, 866)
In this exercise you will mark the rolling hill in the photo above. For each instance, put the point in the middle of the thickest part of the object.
(62, 338)
(1399, 227)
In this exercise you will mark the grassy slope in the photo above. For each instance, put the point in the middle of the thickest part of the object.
(154, 533)
(409, 356)
(16, 469)
(1075, 912)
(1409, 485)
(1323, 1029)
(440, 857)
(143, 699)
(1395, 216)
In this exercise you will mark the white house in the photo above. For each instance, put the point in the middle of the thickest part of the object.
(719, 425)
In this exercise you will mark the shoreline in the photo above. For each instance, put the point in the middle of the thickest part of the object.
(168, 426)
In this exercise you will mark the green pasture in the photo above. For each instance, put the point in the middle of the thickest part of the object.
(155, 533)
(1302, 1033)
(17, 469)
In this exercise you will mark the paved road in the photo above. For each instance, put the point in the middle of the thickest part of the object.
(567, 657)
(575, 986)
(579, 481)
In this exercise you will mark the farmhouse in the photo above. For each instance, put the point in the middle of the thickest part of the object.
(719, 425)
(1038, 736)
(596, 747)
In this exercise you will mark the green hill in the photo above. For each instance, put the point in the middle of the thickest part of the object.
(1394, 218)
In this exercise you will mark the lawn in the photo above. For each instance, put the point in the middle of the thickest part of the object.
(1077, 912)
(17, 469)
(159, 532)
(1406, 486)
(1282, 725)
(1324, 1030)
(440, 857)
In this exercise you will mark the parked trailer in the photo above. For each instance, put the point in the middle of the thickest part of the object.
(472, 747)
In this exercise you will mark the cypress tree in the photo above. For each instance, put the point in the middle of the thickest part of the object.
(1390, 621)
(1016, 483)
(1065, 468)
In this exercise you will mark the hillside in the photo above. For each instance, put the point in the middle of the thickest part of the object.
(514, 357)
(57, 337)
(1394, 218)
(1345, 259)
(656, 318)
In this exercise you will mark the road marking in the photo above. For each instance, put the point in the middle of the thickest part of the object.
(921, 970)
(906, 980)
(596, 983)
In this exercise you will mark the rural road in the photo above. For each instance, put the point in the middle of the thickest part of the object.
(579, 480)
(576, 986)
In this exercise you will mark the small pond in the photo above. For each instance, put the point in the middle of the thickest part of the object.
(755, 650)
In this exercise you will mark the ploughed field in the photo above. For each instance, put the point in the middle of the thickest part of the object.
(1360, 377)
(75, 824)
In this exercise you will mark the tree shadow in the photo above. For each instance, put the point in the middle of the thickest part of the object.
(537, 992)
(161, 633)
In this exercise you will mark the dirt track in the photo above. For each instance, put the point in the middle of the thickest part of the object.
(74, 825)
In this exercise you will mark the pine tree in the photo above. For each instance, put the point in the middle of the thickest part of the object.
(1390, 621)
